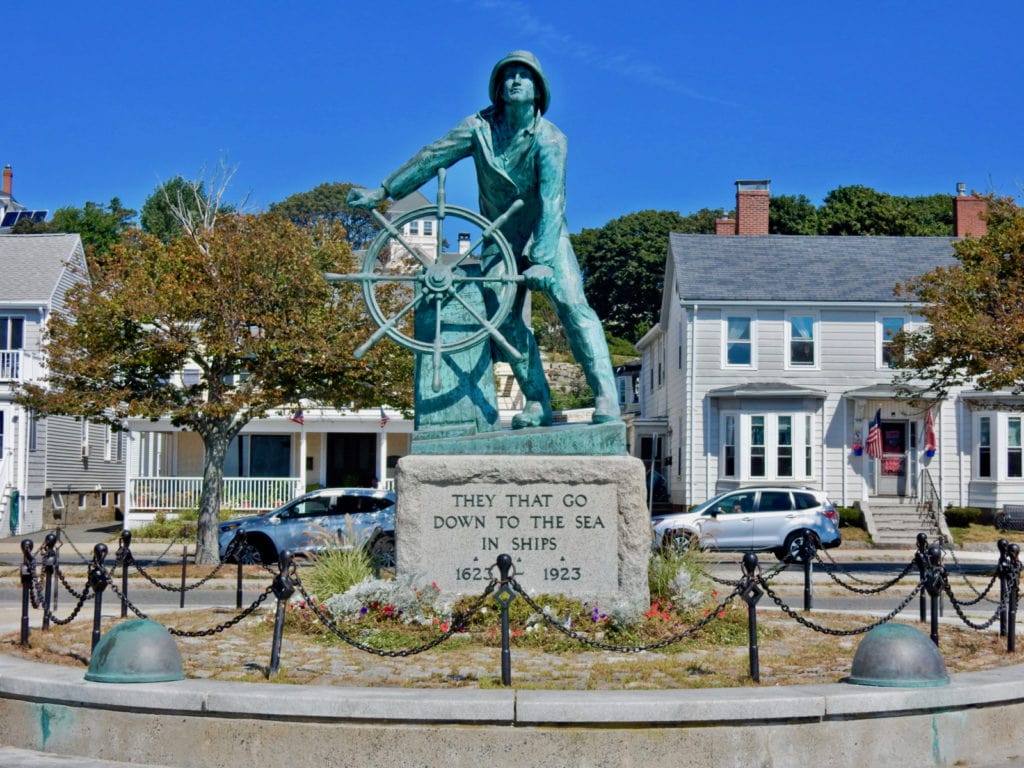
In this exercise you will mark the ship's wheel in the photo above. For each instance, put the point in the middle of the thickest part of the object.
(439, 281)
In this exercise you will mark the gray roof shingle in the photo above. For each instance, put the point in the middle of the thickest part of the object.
(799, 268)
(31, 265)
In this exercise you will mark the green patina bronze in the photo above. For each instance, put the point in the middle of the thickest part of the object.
(520, 160)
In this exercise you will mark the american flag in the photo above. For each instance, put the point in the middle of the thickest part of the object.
(929, 433)
(298, 417)
(874, 443)
(384, 418)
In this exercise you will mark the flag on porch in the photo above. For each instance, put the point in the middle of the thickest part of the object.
(874, 443)
(929, 433)
(384, 419)
(298, 417)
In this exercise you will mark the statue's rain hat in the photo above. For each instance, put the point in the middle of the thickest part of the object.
(540, 81)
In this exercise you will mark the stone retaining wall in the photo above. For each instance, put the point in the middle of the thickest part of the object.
(205, 724)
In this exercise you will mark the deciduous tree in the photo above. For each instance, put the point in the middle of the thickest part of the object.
(624, 265)
(975, 312)
(323, 208)
(99, 226)
(241, 297)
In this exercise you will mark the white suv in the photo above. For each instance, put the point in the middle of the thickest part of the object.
(768, 518)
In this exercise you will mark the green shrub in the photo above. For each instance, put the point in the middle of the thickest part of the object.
(850, 517)
(335, 570)
(962, 517)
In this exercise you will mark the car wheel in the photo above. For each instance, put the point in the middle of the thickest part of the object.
(679, 542)
(795, 542)
(382, 550)
(261, 551)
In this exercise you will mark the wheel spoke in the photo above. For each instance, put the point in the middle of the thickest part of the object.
(382, 331)
(397, 235)
(369, 277)
(514, 353)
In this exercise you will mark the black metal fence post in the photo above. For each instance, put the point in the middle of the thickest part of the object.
(921, 558)
(49, 554)
(283, 589)
(184, 575)
(98, 578)
(28, 568)
(934, 580)
(124, 559)
(239, 544)
(1003, 571)
(807, 552)
(505, 596)
(751, 594)
(1013, 587)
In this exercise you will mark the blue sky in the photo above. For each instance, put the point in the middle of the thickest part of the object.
(665, 104)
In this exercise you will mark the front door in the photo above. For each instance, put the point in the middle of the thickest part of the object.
(892, 465)
(351, 461)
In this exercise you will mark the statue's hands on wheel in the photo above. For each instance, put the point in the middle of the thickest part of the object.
(539, 277)
(360, 197)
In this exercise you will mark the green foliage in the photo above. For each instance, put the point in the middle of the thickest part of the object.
(962, 517)
(158, 218)
(792, 215)
(335, 570)
(621, 350)
(242, 299)
(859, 210)
(99, 227)
(974, 312)
(323, 210)
(182, 526)
(547, 328)
(623, 264)
(850, 517)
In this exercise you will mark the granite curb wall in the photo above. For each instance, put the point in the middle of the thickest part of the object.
(195, 723)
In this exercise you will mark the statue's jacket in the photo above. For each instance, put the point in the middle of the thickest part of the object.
(531, 168)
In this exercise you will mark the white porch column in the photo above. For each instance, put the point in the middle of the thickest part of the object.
(301, 474)
(382, 458)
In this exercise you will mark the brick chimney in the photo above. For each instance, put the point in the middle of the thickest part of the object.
(725, 226)
(752, 207)
(968, 213)
(8, 180)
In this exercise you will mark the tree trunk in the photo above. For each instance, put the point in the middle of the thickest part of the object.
(215, 444)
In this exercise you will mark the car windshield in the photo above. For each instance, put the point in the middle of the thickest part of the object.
(710, 503)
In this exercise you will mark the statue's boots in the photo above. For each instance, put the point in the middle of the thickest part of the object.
(535, 414)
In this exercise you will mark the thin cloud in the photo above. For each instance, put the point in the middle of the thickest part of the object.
(516, 14)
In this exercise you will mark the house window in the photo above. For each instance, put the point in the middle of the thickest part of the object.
(33, 430)
(808, 448)
(766, 446)
(785, 447)
(739, 341)
(985, 446)
(890, 327)
(729, 447)
(802, 341)
(757, 446)
(12, 339)
(2, 416)
(1013, 447)
(428, 228)
(414, 228)
(12, 332)
(190, 377)
(108, 444)
(104, 499)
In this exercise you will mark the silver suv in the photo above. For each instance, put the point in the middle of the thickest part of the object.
(329, 517)
(771, 518)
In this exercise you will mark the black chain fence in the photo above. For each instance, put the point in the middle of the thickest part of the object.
(933, 580)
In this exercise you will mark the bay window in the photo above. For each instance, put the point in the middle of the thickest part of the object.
(766, 446)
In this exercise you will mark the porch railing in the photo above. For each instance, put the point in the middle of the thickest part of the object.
(172, 494)
(10, 364)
